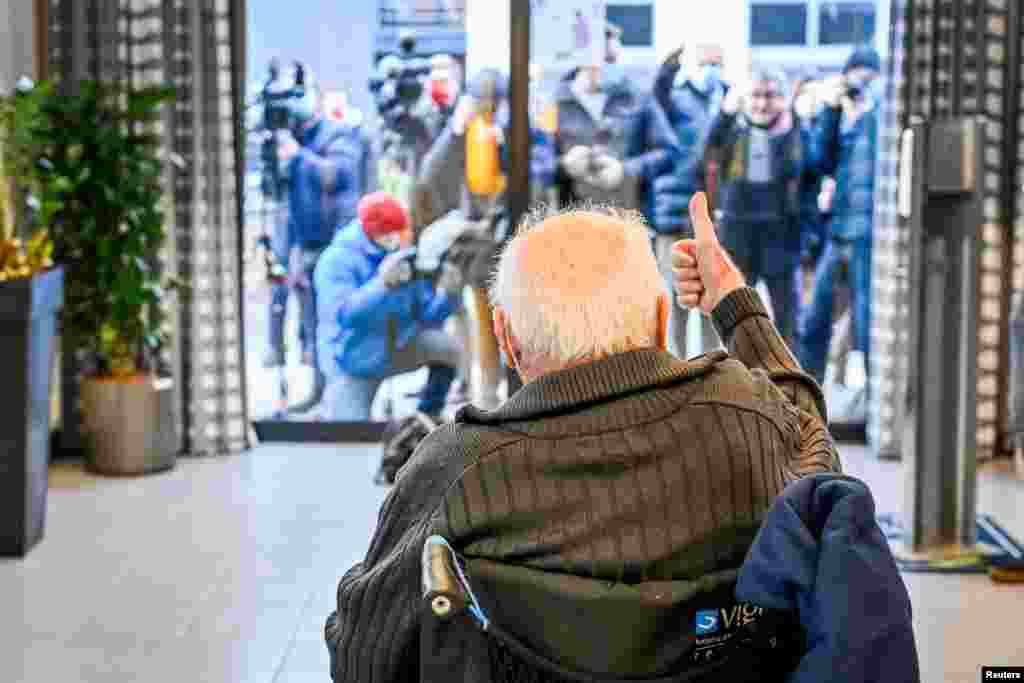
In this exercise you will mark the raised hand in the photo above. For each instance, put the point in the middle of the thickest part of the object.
(703, 273)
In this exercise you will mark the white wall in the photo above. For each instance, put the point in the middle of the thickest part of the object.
(704, 21)
(17, 42)
(675, 21)
(488, 23)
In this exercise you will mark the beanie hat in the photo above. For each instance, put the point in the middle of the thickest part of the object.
(864, 56)
(380, 214)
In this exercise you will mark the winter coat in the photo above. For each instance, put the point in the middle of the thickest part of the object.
(821, 552)
(327, 177)
(848, 155)
(361, 323)
(742, 200)
(689, 115)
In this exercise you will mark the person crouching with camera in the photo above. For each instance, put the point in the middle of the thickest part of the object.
(378, 317)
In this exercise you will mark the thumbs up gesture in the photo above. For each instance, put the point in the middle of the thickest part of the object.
(703, 273)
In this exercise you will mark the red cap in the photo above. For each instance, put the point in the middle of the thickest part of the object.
(381, 214)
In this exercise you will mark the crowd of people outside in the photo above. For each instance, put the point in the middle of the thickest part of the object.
(787, 165)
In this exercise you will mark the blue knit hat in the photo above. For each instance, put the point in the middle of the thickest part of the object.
(864, 56)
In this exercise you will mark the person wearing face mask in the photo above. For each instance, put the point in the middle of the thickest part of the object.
(462, 182)
(759, 154)
(668, 141)
(329, 165)
(443, 90)
(586, 126)
(378, 318)
(845, 148)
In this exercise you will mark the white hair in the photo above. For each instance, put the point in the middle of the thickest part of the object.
(620, 314)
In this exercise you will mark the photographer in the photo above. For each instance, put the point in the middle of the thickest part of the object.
(328, 166)
(378, 318)
(844, 148)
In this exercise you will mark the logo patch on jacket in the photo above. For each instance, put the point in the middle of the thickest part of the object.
(715, 627)
(707, 621)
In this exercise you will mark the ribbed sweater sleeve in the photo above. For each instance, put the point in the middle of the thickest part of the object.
(373, 636)
(745, 326)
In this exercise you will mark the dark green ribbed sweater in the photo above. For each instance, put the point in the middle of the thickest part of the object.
(634, 470)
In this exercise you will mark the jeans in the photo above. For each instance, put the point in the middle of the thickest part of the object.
(679, 315)
(349, 399)
(815, 329)
(307, 301)
(278, 308)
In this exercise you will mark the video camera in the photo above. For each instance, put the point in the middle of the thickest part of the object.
(400, 81)
(452, 239)
(278, 97)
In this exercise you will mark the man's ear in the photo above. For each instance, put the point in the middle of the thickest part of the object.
(498, 319)
(661, 332)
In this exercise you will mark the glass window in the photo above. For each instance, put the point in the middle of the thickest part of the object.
(636, 22)
(846, 23)
(777, 23)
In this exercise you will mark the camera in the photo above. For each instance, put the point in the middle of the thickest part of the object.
(280, 94)
(400, 81)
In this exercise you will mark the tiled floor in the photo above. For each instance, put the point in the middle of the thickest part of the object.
(223, 570)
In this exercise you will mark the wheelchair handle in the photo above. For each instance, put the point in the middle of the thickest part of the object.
(442, 590)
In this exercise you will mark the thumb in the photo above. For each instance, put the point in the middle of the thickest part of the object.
(700, 219)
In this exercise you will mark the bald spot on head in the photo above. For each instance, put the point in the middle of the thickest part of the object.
(573, 255)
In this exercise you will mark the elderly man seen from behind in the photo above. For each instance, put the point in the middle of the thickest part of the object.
(619, 490)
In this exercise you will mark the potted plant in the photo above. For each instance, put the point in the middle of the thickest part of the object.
(96, 171)
(31, 291)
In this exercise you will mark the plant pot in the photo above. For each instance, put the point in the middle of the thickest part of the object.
(129, 425)
(28, 333)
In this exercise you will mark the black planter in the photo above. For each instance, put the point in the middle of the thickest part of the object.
(28, 335)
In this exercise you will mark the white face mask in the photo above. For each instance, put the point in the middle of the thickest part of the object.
(804, 106)
(391, 242)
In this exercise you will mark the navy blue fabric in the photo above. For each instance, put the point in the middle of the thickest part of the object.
(689, 115)
(821, 552)
(356, 311)
(328, 176)
(849, 157)
(812, 224)
(815, 326)
(652, 151)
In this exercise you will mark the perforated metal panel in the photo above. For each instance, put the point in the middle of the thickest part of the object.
(187, 43)
(950, 58)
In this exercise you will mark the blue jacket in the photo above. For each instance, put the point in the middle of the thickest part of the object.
(328, 176)
(689, 116)
(812, 223)
(652, 151)
(848, 155)
(360, 321)
(820, 552)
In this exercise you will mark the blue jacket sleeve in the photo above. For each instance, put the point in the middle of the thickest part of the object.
(353, 304)
(650, 146)
(543, 159)
(821, 553)
(369, 163)
(822, 151)
(336, 170)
